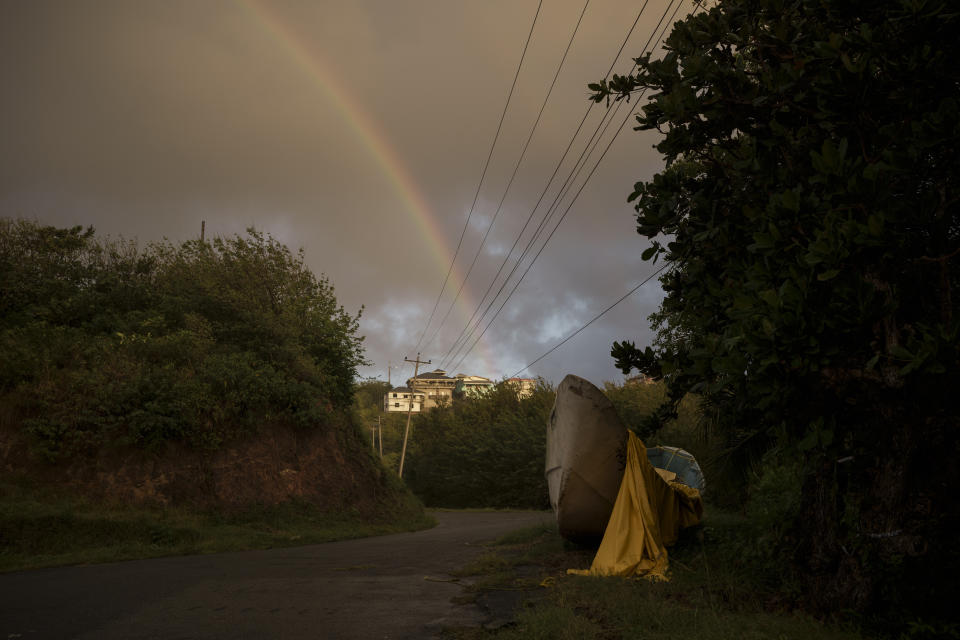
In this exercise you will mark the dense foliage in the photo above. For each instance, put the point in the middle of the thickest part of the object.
(104, 343)
(809, 216)
(493, 445)
(485, 451)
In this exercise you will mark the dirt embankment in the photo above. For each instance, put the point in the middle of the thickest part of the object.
(328, 467)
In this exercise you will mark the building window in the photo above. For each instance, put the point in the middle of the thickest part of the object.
(396, 404)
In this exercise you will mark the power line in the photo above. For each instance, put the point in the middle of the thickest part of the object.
(592, 320)
(548, 214)
(539, 200)
(545, 242)
(530, 242)
(574, 174)
(576, 196)
(568, 182)
(516, 168)
(529, 246)
(594, 141)
(482, 175)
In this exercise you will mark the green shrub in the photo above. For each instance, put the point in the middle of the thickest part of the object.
(636, 403)
(107, 344)
(483, 451)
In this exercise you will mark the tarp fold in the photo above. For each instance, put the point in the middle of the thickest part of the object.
(650, 509)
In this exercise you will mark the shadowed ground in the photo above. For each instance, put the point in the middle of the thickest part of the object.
(395, 586)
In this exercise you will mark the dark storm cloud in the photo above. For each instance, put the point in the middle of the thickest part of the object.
(144, 118)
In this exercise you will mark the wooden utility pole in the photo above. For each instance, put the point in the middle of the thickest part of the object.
(413, 393)
(203, 228)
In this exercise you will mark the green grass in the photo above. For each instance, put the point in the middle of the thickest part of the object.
(714, 592)
(527, 535)
(39, 529)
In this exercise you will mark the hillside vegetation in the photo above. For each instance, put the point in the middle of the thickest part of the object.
(106, 344)
(215, 377)
(487, 451)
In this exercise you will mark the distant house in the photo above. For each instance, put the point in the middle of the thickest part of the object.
(524, 386)
(436, 386)
(639, 379)
(439, 388)
(471, 386)
(399, 400)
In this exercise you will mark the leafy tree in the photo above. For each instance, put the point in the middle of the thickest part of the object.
(368, 411)
(638, 405)
(257, 295)
(808, 214)
(369, 393)
(482, 451)
(106, 344)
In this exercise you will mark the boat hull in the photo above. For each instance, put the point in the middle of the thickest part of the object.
(585, 459)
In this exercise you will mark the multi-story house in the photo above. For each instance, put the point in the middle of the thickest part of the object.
(399, 400)
(439, 388)
(436, 386)
(471, 386)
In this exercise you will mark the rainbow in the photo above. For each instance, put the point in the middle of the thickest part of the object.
(376, 143)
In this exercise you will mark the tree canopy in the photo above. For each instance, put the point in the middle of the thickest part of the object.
(808, 214)
(105, 343)
(483, 451)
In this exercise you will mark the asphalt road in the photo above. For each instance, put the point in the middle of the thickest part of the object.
(395, 586)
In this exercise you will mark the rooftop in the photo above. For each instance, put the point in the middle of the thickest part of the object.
(439, 374)
(404, 390)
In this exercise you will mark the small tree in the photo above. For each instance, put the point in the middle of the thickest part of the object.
(808, 212)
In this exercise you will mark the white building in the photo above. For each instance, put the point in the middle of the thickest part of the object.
(399, 399)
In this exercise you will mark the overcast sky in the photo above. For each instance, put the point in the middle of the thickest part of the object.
(357, 130)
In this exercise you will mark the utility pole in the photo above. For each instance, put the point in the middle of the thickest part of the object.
(203, 228)
(413, 393)
(390, 368)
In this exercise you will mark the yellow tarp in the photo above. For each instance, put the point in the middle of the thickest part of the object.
(650, 509)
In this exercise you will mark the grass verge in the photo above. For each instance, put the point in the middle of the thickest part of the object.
(713, 593)
(39, 529)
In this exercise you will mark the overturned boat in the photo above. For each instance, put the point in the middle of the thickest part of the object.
(603, 481)
(586, 455)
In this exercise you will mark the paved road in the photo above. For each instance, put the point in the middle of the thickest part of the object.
(368, 588)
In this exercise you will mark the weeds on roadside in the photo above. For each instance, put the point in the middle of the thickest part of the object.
(714, 592)
(38, 529)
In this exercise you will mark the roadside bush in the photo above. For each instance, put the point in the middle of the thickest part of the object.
(769, 540)
(106, 344)
(636, 403)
